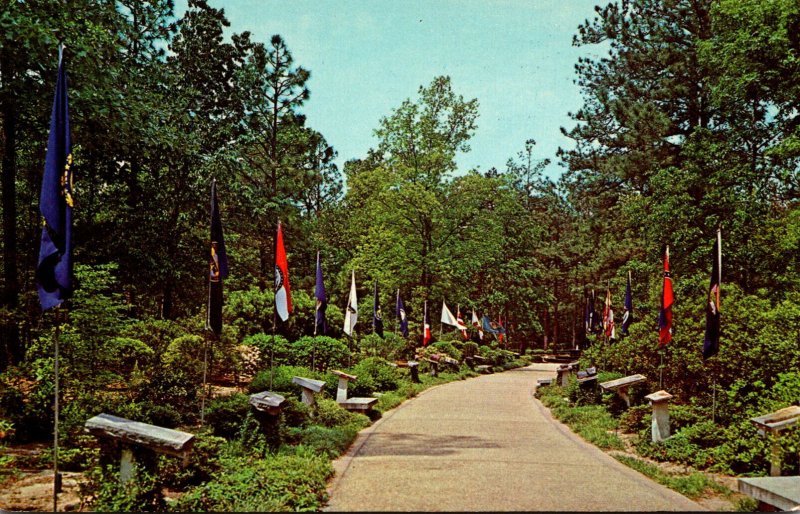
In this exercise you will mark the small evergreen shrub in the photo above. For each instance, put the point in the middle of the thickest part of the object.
(225, 415)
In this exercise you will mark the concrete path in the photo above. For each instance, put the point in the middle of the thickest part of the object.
(486, 444)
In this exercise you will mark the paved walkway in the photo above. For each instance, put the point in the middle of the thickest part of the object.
(486, 444)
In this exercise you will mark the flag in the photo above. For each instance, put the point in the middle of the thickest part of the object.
(627, 316)
(351, 313)
(591, 317)
(320, 323)
(501, 330)
(460, 320)
(426, 336)
(377, 319)
(608, 317)
(449, 319)
(218, 266)
(711, 339)
(401, 315)
(54, 268)
(283, 295)
(667, 298)
(477, 324)
(489, 326)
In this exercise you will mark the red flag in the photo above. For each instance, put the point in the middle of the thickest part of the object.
(426, 337)
(460, 321)
(608, 317)
(283, 296)
(667, 298)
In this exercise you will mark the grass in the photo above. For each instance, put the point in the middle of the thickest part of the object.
(694, 485)
(592, 422)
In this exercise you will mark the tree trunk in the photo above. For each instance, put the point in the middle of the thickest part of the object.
(10, 294)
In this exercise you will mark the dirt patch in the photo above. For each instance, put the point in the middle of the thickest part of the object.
(33, 491)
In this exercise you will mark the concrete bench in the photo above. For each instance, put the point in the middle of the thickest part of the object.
(781, 493)
(621, 385)
(659, 427)
(563, 372)
(131, 434)
(544, 382)
(774, 423)
(356, 404)
(267, 401)
(309, 388)
(434, 366)
(483, 368)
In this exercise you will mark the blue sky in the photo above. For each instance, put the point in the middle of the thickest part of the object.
(515, 56)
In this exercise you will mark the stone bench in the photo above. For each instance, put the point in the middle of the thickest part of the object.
(774, 423)
(483, 368)
(309, 388)
(659, 426)
(781, 493)
(621, 385)
(544, 382)
(356, 404)
(267, 401)
(587, 375)
(563, 372)
(131, 434)
(413, 368)
(434, 366)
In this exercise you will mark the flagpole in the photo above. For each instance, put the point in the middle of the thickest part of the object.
(56, 475)
(396, 303)
(205, 387)
(661, 368)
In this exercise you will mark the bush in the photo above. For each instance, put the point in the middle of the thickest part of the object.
(319, 353)
(447, 348)
(295, 413)
(331, 441)
(282, 380)
(278, 482)
(275, 347)
(374, 374)
(636, 418)
(204, 463)
(225, 415)
(330, 414)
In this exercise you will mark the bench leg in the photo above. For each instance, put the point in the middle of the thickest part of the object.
(308, 397)
(126, 464)
(623, 392)
(341, 390)
(775, 460)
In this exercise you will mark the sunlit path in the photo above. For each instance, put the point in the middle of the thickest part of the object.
(486, 444)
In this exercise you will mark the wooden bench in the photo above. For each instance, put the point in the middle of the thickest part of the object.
(774, 423)
(621, 385)
(131, 434)
(267, 401)
(781, 493)
(356, 404)
(309, 387)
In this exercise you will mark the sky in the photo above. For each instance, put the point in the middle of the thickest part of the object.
(366, 57)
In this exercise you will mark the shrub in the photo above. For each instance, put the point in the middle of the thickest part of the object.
(470, 349)
(330, 414)
(275, 347)
(447, 348)
(319, 353)
(281, 380)
(294, 413)
(635, 419)
(204, 463)
(225, 415)
(278, 482)
(374, 374)
(331, 441)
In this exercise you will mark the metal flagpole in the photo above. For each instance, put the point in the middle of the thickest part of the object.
(205, 372)
(56, 475)
(661, 368)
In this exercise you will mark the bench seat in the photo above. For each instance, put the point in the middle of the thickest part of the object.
(358, 403)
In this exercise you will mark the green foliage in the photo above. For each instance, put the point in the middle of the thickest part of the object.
(204, 463)
(282, 380)
(592, 422)
(447, 348)
(374, 375)
(225, 415)
(142, 493)
(277, 482)
(319, 353)
(693, 485)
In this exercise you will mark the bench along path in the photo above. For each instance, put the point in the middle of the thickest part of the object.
(486, 444)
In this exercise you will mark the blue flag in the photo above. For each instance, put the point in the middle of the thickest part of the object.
(54, 268)
(711, 338)
(489, 326)
(401, 315)
(320, 323)
(627, 316)
(218, 266)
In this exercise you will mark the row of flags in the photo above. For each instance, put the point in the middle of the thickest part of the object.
(595, 325)
(55, 283)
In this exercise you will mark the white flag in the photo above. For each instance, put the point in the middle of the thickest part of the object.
(351, 313)
(477, 324)
(449, 319)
